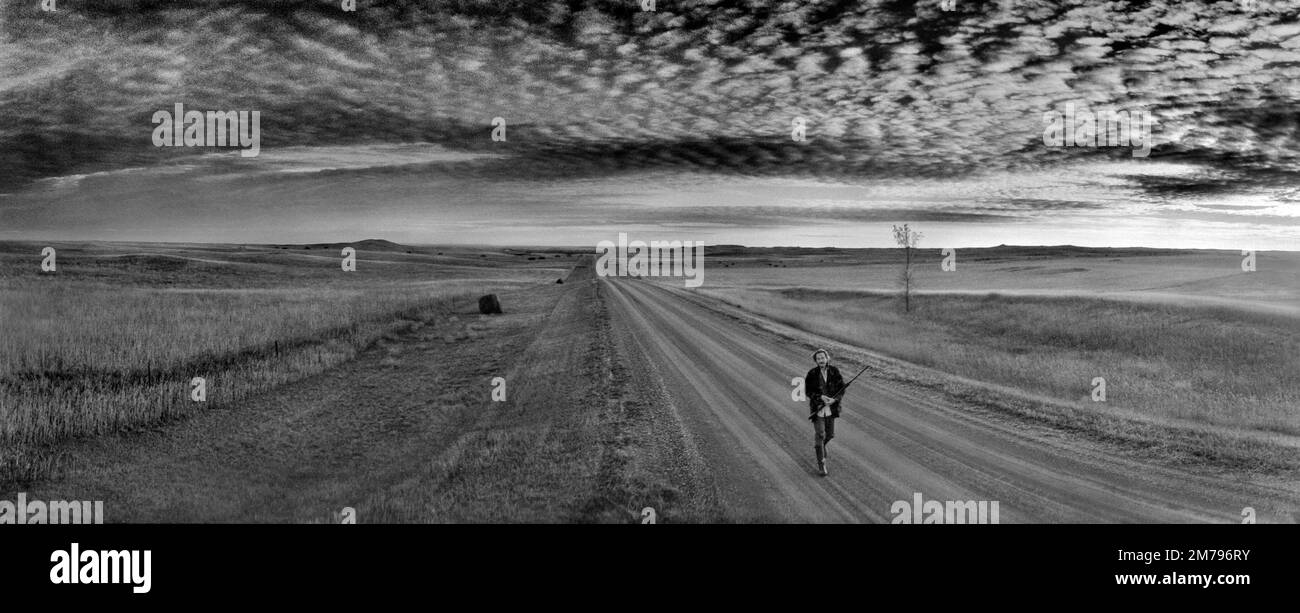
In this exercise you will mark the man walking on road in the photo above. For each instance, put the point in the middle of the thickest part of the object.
(823, 385)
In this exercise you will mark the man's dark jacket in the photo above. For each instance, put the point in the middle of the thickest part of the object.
(813, 388)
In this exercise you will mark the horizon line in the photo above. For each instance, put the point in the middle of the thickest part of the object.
(576, 248)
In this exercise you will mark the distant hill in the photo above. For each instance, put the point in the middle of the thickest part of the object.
(379, 244)
(369, 244)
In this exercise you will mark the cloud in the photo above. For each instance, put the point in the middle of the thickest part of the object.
(886, 87)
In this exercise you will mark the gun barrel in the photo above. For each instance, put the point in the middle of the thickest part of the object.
(855, 378)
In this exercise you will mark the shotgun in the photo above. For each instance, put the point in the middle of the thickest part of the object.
(843, 388)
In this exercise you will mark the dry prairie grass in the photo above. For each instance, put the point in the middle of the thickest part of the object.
(1211, 365)
(112, 342)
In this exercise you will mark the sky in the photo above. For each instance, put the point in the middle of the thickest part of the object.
(676, 123)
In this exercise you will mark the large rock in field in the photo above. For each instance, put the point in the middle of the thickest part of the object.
(489, 304)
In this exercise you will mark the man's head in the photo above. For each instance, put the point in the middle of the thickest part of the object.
(822, 357)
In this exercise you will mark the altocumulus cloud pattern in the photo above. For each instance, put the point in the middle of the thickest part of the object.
(885, 87)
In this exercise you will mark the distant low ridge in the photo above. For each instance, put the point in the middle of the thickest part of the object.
(369, 244)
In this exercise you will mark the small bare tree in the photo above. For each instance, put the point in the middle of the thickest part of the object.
(908, 239)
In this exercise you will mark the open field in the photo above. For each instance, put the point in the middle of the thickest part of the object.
(1208, 364)
(1178, 336)
(406, 429)
(373, 389)
(1184, 277)
(113, 337)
